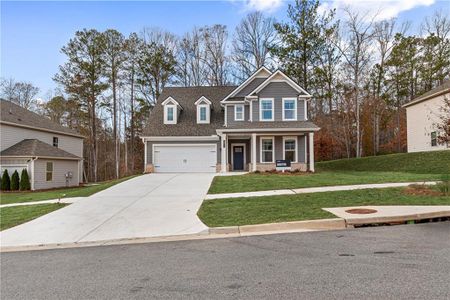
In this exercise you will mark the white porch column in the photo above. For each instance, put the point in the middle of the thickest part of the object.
(311, 151)
(253, 152)
(145, 154)
(224, 147)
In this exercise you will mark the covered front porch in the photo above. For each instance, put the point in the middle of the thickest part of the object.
(259, 151)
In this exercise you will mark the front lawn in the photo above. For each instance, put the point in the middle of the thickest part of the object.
(271, 209)
(84, 191)
(13, 216)
(267, 181)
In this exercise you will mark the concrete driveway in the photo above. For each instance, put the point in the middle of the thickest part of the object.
(147, 206)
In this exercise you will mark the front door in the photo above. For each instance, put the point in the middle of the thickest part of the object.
(238, 158)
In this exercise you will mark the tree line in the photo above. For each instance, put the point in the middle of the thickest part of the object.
(360, 72)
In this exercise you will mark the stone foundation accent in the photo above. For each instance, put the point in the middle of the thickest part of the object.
(149, 168)
(218, 168)
(302, 167)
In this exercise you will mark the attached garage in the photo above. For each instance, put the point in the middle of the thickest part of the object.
(184, 158)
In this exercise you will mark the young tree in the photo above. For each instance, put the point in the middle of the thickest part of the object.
(82, 78)
(15, 181)
(24, 181)
(115, 57)
(251, 43)
(6, 181)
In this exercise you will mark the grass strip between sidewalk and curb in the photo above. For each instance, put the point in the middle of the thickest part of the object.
(82, 191)
(13, 216)
(286, 208)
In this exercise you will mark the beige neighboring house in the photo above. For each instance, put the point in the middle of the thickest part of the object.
(422, 115)
(51, 153)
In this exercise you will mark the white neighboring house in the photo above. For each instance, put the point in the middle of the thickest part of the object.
(51, 153)
(422, 115)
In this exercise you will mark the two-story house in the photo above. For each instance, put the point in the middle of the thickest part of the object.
(51, 153)
(231, 128)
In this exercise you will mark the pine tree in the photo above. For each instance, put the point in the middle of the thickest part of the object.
(6, 181)
(24, 181)
(15, 181)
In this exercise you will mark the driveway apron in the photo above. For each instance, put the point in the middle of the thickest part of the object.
(146, 206)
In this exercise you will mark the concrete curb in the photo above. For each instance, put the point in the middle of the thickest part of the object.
(397, 219)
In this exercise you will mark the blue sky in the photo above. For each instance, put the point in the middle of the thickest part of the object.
(33, 32)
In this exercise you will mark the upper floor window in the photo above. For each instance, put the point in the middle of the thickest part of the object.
(433, 139)
(170, 114)
(55, 141)
(266, 109)
(289, 109)
(239, 112)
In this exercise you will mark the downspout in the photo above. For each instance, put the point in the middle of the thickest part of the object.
(32, 172)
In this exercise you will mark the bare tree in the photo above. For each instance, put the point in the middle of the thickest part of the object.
(251, 42)
(357, 55)
(8, 89)
(216, 60)
(21, 93)
(192, 70)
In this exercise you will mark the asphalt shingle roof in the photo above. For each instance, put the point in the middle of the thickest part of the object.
(187, 119)
(13, 113)
(33, 147)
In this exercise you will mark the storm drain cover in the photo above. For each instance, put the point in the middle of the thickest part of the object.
(361, 211)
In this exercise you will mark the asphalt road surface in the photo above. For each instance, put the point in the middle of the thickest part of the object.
(399, 262)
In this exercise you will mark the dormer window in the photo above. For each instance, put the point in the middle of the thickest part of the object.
(203, 110)
(171, 108)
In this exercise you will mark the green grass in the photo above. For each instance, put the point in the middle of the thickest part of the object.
(267, 181)
(271, 209)
(13, 216)
(84, 191)
(402, 167)
(435, 162)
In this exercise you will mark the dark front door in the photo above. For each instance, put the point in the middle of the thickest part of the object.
(238, 158)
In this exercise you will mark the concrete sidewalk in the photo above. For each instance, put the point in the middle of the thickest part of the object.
(62, 200)
(314, 190)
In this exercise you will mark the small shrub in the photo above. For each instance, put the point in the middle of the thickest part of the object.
(15, 181)
(257, 172)
(24, 181)
(444, 185)
(6, 181)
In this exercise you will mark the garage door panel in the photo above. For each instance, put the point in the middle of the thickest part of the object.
(185, 158)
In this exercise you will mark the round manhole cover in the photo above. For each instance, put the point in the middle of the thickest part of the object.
(361, 211)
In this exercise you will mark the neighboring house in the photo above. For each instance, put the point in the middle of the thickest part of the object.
(229, 128)
(422, 115)
(51, 153)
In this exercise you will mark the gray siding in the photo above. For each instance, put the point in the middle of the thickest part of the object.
(230, 115)
(150, 147)
(277, 91)
(60, 168)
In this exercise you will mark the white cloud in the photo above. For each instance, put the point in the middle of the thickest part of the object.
(263, 5)
(383, 9)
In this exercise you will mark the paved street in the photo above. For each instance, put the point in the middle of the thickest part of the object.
(399, 262)
(146, 206)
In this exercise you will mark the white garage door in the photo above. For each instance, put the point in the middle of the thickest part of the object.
(185, 158)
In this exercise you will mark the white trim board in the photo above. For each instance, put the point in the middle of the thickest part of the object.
(179, 138)
(286, 79)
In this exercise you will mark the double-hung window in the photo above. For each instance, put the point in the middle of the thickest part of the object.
(239, 112)
(170, 112)
(55, 141)
(290, 149)
(203, 113)
(49, 171)
(433, 139)
(266, 109)
(289, 109)
(267, 154)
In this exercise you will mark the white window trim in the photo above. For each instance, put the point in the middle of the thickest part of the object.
(261, 149)
(288, 138)
(260, 110)
(175, 112)
(208, 110)
(46, 171)
(243, 112)
(306, 110)
(295, 108)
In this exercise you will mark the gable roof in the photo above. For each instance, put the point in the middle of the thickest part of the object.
(15, 115)
(187, 119)
(442, 89)
(276, 76)
(36, 148)
(254, 80)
